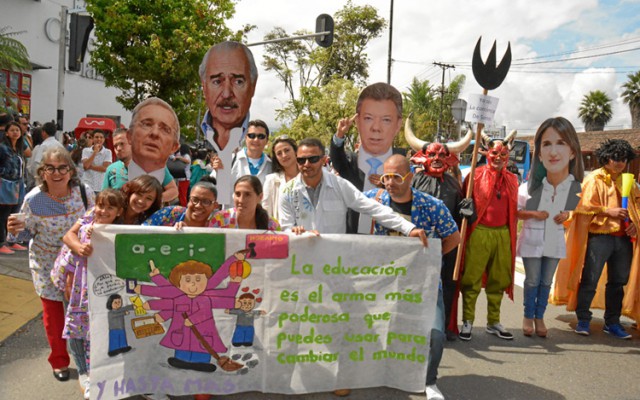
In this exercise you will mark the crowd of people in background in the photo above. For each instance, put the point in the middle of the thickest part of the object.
(56, 186)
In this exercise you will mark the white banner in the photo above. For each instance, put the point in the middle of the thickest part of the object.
(329, 312)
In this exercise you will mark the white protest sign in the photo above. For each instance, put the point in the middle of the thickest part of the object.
(313, 314)
(481, 108)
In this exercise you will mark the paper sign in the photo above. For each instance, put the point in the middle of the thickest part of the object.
(481, 109)
(269, 245)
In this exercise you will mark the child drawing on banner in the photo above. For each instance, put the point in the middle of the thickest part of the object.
(244, 332)
(191, 291)
(117, 335)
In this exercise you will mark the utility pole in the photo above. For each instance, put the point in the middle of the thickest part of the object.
(390, 60)
(61, 67)
(442, 92)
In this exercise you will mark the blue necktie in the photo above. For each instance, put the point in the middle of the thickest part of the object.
(375, 164)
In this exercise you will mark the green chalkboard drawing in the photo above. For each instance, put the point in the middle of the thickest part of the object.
(133, 252)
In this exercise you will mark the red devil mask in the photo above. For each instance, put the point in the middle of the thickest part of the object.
(438, 159)
(498, 155)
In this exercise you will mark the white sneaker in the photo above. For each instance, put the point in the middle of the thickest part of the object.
(87, 395)
(499, 331)
(465, 332)
(433, 393)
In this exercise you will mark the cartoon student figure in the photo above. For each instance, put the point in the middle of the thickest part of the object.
(117, 335)
(243, 335)
(191, 291)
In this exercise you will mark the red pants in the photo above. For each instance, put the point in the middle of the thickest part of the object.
(53, 320)
(183, 191)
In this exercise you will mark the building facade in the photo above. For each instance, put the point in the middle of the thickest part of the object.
(85, 93)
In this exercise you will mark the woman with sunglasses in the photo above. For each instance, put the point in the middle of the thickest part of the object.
(247, 212)
(201, 204)
(50, 210)
(285, 168)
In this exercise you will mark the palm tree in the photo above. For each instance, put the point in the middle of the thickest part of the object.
(631, 95)
(13, 54)
(595, 110)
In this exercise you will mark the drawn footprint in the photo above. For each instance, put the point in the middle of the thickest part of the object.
(252, 363)
(243, 371)
(247, 356)
(236, 357)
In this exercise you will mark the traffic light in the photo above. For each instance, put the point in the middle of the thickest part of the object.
(81, 26)
(324, 23)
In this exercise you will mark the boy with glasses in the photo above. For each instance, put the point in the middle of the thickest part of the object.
(251, 159)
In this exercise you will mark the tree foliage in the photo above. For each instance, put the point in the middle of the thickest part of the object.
(323, 107)
(302, 65)
(422, 102)
(595, 110)
(153, 48)
(631, 96)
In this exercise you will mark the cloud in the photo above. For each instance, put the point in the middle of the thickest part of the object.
(447, 31)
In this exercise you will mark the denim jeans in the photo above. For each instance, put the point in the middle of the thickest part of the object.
(537, 284)
(617, 252)
(436, 346)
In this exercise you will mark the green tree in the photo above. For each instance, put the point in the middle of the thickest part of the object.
(595, 110)
(302, 64)
(14, 57)
(422, 102)
(323, 107)
(631, 96)
(153, 48)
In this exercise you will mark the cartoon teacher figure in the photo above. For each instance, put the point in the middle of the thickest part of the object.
(117, 335)
(187, 299)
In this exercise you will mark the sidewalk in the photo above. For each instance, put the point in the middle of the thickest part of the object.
(19, 303)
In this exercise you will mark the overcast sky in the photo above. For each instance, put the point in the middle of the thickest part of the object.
(447, 31)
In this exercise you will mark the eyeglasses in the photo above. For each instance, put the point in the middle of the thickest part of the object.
(204, 202)
(393, 178)
(260, 136)
(312, 159)
(146, 126)
(62, 170)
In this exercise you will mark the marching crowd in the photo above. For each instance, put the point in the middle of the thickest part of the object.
(53, 194)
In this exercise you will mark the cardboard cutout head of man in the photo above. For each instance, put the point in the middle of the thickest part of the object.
(228, 74)
(379, 117)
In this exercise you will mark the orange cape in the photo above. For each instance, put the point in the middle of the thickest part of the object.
(569, 272)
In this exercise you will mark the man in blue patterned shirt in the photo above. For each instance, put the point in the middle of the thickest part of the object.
(430, 214)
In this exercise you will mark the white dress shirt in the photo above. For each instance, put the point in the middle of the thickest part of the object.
(330, 215)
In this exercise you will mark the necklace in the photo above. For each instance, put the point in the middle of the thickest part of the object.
(499, 188)
(60, 198)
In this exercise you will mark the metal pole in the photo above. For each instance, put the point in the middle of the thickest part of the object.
(390, 60)
(288, 39)
(61, 67)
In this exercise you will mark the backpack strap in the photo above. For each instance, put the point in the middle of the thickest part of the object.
(83, 193)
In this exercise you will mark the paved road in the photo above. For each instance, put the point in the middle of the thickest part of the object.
(563, 366)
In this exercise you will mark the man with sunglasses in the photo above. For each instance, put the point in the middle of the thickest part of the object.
(317, 201)
(251, 159)
(431, 215)
(378, 119)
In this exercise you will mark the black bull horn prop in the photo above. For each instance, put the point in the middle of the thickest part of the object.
(489, 77)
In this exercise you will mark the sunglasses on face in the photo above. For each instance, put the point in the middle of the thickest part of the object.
(393, 178)
(204, 202)
(62, 170)
(260, 136)
(312, 159)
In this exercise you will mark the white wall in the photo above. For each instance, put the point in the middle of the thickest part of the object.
(82, 95)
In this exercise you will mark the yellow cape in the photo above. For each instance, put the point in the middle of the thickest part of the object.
(569, 272)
